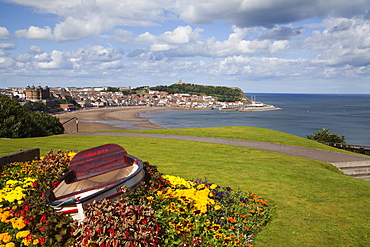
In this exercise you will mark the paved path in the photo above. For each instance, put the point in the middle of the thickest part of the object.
(316, 154)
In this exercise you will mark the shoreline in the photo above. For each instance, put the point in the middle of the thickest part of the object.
(112, 118)
(116, 118)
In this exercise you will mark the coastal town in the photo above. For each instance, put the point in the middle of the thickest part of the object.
(73, 98)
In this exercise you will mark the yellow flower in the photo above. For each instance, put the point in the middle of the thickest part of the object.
(5, 237)
(213, 186)
(26, 242)
(23, 234)
(159, 193)
(11, 244)
(200, 186)
(217, 207)
(150, 198)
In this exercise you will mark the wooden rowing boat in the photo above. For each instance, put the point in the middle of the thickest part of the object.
(101, 172)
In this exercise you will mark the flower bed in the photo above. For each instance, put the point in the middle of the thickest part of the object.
(165, 211)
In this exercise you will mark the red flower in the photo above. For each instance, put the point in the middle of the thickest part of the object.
(43, 218)
(111, 231)
(144, 221)
(99, 230)
(42, 241)
(43, 228)
(34, 184)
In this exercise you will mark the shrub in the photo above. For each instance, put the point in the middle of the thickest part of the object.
(325, 136)
(18, 122)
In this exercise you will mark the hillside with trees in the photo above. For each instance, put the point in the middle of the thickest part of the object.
(224, 94)
(17, 121)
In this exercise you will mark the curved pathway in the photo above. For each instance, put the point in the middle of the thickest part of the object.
(310, 153)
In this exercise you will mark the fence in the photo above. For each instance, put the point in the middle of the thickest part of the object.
(353, 148)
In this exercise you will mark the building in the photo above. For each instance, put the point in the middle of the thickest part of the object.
(37, 93)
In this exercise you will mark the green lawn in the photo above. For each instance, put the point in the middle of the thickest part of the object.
(242, 133)
(315, 204)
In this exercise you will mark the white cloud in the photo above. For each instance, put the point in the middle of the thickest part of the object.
(83, 19)
(123, 36)
(267, 13)
(6, 62)
(7, 46)
(35, 33)
(343, 41)
(44, 57)
(110, 65)
(35, 49)
(180, 35)
(24, 58)
(186, 41)
(145, 39)
(4, 33)
(57, 61)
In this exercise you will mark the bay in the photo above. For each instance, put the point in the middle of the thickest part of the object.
(300, 114)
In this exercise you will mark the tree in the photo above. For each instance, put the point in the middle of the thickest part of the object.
(18, 122)
(325, 136)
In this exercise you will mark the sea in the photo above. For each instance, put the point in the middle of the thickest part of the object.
(300, 114)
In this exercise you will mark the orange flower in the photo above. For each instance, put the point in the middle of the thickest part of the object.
(232, 227)
(232, 220)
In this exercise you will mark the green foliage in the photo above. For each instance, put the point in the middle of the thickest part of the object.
(225, 94)
(117, 223)
(19, 122)
(49, 125)
(325, 136)
(35, 106)
(42, 219)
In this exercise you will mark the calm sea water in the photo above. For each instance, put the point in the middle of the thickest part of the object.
(301, 115)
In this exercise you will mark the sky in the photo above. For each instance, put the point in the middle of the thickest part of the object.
(260, 46)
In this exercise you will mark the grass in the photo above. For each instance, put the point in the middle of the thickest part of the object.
(242, 133)
(315, 204)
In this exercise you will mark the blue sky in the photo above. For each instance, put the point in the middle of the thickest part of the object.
(261, 46)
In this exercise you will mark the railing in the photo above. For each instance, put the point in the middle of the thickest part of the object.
(353, 148)
(70, 120)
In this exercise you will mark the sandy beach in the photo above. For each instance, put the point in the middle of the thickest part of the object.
(120, 118)
(110, 118)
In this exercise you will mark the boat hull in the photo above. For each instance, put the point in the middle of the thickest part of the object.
(122, 173)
